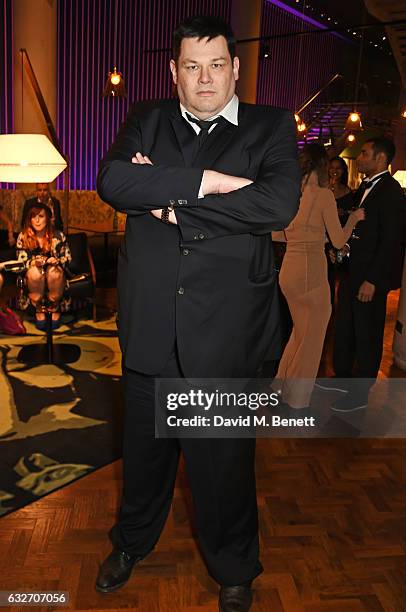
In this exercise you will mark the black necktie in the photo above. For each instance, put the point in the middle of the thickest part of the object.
(204, 127)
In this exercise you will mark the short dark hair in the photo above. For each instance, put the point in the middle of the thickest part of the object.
(313, 157)
(383, 145)
(344, 169)
(203, 26)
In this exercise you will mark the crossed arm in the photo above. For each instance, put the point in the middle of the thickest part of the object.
(212, 182)
(231, 204)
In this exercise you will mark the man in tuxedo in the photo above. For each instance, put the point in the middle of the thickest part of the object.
(375, 267)
(203, 179)
(44, 197)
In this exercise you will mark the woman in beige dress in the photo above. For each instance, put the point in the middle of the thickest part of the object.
(303, 277)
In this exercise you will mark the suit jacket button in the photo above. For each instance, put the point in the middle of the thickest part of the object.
(185, 251)
(181, 291)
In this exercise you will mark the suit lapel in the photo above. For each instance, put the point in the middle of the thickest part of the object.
(184, 135)
(376, 190)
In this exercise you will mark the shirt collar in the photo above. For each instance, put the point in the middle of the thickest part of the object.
(372, 179)
(229, 112)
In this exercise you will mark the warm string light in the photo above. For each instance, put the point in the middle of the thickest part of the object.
(330, 19)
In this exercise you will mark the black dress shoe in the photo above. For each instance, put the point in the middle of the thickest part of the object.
(235, 598)
(350, 403)
(115, 571)
(332, 384)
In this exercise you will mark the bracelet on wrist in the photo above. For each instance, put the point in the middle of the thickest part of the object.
(165, 214)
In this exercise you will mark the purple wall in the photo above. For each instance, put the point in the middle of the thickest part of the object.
(6, 70)
(87, 122)
(298, 65)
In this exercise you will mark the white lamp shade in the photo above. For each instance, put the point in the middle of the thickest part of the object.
(400, 176)
(29, 158)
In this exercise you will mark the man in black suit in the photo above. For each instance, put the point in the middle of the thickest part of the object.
(203, 180)
(375, 267)
(44, 197)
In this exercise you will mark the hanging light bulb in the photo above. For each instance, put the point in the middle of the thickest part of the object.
(115, 77)
(301, 127)
(353, 122)
(265, 51)
(404, 114)
(351, 138)
(115, 86)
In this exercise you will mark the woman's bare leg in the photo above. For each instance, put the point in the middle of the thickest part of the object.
(36, 286)
(56, 285)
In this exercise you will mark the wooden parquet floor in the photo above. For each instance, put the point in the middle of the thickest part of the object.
(332, 528)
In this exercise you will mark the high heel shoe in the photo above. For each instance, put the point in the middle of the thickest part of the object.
(53, 308)
(40, 324)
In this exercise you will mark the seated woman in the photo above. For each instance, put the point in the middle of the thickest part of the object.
(46, 253)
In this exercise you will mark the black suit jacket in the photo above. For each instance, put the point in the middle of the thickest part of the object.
(377, 255)
(58, 223)
(209, 282)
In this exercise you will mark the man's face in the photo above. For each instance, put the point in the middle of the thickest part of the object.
(43, 192)
(368, 162)
(205, 75)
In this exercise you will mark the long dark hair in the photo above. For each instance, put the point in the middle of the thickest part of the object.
(344, 170)
(313, 158)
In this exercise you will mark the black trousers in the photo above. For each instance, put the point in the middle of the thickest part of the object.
(221, 474)
(359, 330)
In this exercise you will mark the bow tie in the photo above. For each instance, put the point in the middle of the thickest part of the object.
(367, 183)
(204, 126)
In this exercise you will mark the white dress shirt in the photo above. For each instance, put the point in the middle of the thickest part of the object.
(373, 181)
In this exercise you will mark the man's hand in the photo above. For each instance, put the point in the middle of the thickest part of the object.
(139, 158)
(332, 255)
(366, 292)
(216, 182)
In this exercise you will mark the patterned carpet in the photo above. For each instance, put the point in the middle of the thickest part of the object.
(58, 423)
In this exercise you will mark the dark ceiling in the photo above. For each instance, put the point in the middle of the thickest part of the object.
(345, 15)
